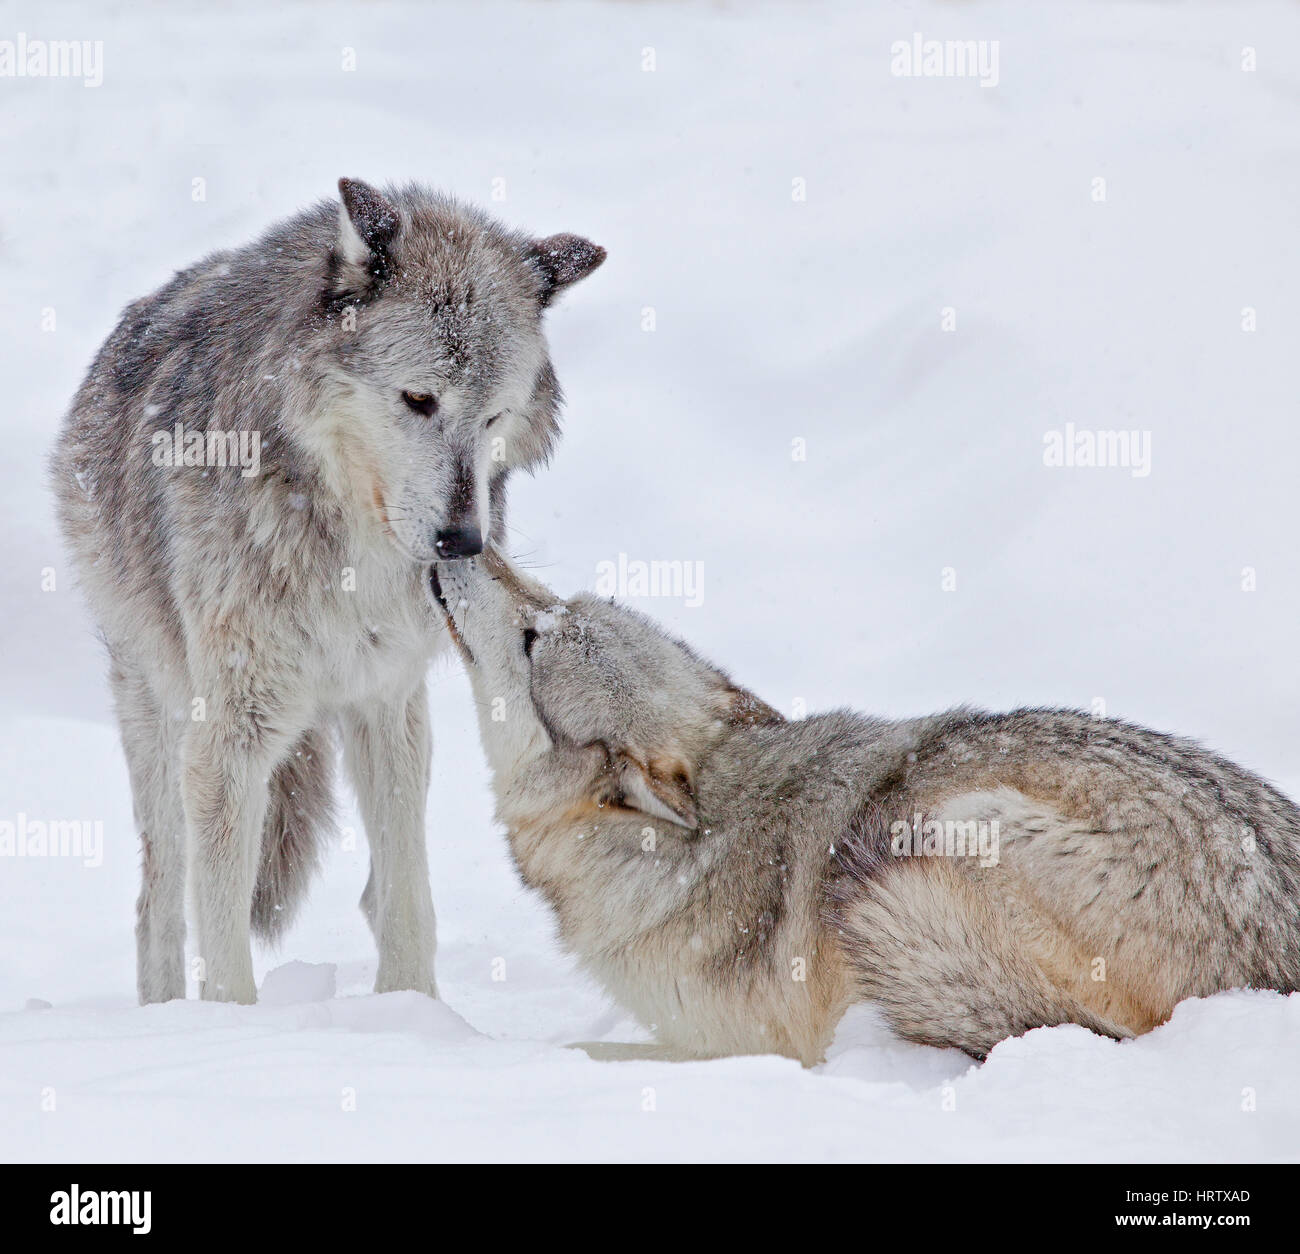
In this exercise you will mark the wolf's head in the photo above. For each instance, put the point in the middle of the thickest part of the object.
(439, 372)
(584, 703)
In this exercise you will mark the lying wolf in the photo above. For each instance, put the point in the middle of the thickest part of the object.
(263, 459)
(736, 880)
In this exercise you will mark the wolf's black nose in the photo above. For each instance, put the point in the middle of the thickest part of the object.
(459, 542)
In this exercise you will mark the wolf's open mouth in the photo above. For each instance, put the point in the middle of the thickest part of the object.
(435, 586)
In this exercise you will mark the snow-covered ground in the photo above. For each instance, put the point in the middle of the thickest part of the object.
(920, 554)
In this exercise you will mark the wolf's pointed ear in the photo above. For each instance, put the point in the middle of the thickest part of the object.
(366, 225)
(661, 789)
(742, 708)
(560, 261)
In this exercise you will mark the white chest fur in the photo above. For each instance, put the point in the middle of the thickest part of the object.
(381, 635)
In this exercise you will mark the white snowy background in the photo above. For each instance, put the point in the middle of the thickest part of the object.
(776, 319)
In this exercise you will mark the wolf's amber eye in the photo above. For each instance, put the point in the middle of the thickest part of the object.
(420, 402)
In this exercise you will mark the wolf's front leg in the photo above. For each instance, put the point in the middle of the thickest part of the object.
(224, 789)
(387, 749)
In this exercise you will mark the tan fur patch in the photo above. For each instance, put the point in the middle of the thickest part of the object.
(1128, 995)
(377, 496)
(578, 819)
(1066, 963)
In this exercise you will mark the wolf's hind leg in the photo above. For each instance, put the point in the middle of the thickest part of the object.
(227, 769)
(151, 742)
(946, 964)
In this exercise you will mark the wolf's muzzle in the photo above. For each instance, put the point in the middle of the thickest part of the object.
(458, 542)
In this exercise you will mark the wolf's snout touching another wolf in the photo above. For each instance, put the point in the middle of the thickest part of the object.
(384, 360)
(736, 880)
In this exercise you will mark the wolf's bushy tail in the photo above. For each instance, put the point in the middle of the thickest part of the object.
(946, 965)
(299, 821)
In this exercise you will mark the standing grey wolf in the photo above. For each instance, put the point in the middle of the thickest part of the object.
(735, 880)
(383, 367)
